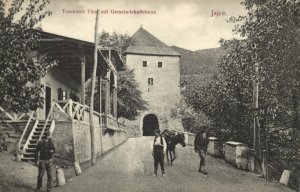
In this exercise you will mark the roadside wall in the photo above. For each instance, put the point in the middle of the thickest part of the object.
(110, 140)
(191, 138)
(63, 141)
(73, 140)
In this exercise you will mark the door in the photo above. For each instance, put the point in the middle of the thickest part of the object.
(47, 101)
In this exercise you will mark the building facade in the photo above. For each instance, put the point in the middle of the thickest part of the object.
(65, 114)
(156, 69)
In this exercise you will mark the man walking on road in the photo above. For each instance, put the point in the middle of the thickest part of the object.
(158, 152)
(200, 145)
(43, 157)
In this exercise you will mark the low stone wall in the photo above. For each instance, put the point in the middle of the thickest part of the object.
(73, 140)
(112, 139)
(63, 141)
(236, 154)
(17, 127)
(82, 141)
(213, 147)
(191, 138)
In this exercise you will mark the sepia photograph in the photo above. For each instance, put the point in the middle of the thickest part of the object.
(148, 96)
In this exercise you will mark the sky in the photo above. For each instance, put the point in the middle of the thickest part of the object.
(188, 24)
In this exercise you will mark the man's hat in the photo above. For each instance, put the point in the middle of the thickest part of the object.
(156, 131)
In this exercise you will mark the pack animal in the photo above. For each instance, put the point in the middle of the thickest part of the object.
(172, 140)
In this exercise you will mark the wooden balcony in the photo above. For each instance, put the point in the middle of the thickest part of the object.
(70, 110)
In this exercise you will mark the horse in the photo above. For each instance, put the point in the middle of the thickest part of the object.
(172, 140)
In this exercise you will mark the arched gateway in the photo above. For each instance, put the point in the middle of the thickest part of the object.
(150, 123)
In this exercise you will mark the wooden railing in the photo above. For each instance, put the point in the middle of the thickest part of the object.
(76, 111)
(30, 135)
(47, 120)
(111, 122)
(33, 117)
(63, 110)
(25, 130)
(8, 115)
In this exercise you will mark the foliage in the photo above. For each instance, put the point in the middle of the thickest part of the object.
(270, 39)
(130, 101)
(117, 41)
(20, 86)
(191, 121)
(201, 62)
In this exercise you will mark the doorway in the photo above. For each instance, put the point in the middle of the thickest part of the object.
(47, 101)
(150, 123)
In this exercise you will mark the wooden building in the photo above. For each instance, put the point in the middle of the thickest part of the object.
(65, 114)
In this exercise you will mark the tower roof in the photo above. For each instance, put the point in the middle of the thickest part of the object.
(145, 43)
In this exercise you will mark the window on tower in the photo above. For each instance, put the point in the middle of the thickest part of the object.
(150, 81)
(159, 64)
(144, 63)
(150, 84)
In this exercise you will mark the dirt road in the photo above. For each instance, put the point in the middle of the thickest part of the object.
(130, 168)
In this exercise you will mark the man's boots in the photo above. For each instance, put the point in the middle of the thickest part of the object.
(202, 170)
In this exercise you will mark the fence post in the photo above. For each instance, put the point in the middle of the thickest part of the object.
(60, 177)
(251, 160)
(77, 168)
(264, 164)
(284, 179)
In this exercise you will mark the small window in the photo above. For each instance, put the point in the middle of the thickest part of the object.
(62, 95)
(159, 64)
(144, 63)
(150, 81)
(150, 84)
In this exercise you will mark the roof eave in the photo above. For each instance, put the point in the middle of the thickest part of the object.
(152, 54)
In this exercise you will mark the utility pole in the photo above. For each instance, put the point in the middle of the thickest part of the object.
(256, 127)
(92, 125)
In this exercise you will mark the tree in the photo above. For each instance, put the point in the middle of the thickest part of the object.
(191, 120)
(130, 102)
(270, 38)
(20, 87)
(117, 41)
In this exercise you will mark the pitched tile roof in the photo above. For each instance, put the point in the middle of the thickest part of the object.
(145, 43)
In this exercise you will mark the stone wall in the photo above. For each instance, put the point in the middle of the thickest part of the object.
(191, 139)
(112, 139)
(164, 94)
(82, 141)
(63, 141)
(73, 141)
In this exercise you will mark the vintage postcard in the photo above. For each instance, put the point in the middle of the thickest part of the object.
(139, 95)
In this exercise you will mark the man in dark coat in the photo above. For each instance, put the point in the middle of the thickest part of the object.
(43, 157)
(200, 145)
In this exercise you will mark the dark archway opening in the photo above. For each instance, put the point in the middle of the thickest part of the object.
(150, 123)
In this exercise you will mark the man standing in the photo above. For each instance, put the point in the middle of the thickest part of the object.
(200, 145)
(43, 157)
(158, 152)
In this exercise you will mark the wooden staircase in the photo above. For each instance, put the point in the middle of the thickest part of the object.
(29, 148)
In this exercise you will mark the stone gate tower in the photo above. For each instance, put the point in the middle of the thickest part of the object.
(156, 68)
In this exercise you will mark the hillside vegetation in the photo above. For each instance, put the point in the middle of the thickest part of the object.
(198, 66)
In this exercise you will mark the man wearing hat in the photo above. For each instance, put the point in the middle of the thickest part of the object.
(158, 152)
(43, 157)
(200, 145)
